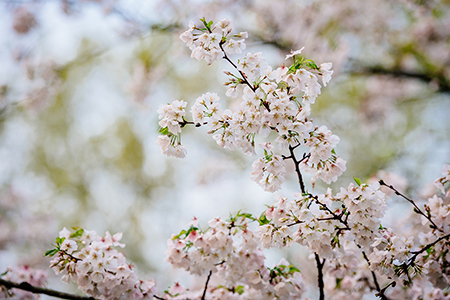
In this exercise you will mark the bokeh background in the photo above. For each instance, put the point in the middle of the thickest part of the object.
(81, 81)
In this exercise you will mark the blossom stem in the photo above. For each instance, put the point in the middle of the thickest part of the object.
(416, 208)
(320, 275)
(25, 286)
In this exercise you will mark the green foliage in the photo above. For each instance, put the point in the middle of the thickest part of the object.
(51, 252)
(263, 219)
(164, 131)
(357, 180)
(78, 232)
(207, 24)
(239, 289)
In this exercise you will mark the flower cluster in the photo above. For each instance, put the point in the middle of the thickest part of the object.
(441, 181)
(268, 171)
(171, 115)
(229, 250)
(274, 100)
(99, 270)
(209, 42)
(171, 120)
(322, 161)
(353, 215)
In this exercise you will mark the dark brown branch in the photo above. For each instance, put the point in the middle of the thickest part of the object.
(442, 81)
(374, 276)
(320, 275)
(297, 168)
(416, 253)
(383, 290)
(206, 285)
(335, 216)
(416, 208)
(244, 78)
(25, 286)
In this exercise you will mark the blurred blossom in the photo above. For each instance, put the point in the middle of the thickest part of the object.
(76, 150)
(24, 20)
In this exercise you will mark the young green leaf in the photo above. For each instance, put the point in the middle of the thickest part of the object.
(77, 233)
(164, 131)
(357, 180)
(51, 252)
(239, 289)
(263, 219)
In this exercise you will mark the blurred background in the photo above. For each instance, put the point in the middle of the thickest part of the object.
(81, 81)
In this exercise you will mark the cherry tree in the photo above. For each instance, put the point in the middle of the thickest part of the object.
(354, 253)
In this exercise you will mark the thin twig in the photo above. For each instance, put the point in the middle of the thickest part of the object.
(416, 210)
(412, 259)
(244, 78)
(417, 253)
(25, 286)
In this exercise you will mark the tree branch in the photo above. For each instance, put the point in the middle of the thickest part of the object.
(416, 208)
(442, 81)
(374, 276)
(320, 275)
(25, 286)
(297, 168)
(206, 285)
(406, 265)
(244, 78)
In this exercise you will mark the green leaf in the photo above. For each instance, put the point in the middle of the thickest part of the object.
(332, 151)
(207, 24)
(357, 180)
(164, 131)
(4, 273)
(179, 235)
(77, 233)
(293, 269)
(239, 289)
(51, 252)
(59, 240)
(246, 215)
(263, 219)
(192, 228)
(338, 282)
